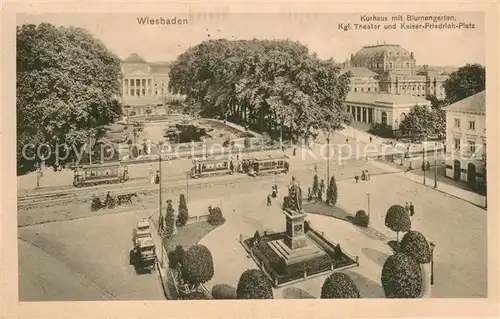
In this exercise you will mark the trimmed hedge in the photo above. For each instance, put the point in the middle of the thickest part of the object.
(361, 218)
(176, 257)
(215, 217)
(401, 277)
(183, 211)
(339, 286)
(415, 245)
(254, 284)
(198, 266)
(169, 220)
(195, 295)
(397, 219)
(224, 292)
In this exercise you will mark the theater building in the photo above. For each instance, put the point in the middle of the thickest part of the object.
(466, 139)
(381, 108)
(393, 71)
(145, 84)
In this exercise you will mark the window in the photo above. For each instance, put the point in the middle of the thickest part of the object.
(457, 122)
(472, 125)
(457, 144)
(355, 89)
(472, 146)
(384, 118)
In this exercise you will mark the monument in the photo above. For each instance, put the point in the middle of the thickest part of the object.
(300, 251)
(295, 246)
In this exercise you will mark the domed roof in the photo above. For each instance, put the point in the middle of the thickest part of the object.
(134, 58)
(390, 51)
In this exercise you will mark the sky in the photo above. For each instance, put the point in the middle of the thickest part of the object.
(123, 35)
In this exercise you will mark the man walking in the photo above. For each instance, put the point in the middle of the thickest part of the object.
(407, 207)
(412, 209)
(268, 200)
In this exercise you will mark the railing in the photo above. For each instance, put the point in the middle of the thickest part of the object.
(197, 219)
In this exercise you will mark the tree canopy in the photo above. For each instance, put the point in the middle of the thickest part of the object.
(419, 123)
(339, 286)
(401, 277)
(466, 81)
(254, 284)
(198, 265)
(67, 88)
(264, 84)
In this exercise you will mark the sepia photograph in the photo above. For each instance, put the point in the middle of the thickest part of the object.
(229, 156)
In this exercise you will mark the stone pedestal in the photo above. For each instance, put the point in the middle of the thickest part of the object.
(295, 234)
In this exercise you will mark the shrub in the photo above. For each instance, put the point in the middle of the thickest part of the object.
(315, 188)
(215, 217)
(337, 252)
(361, 218)
(134, 151)
(339, 286)
(169, 220)
(183, 211)
(132, 113)
(176, 257)
(254, 284)
(332, 192)
(96, 204)
(401, 277)
(415, 245)
(195, 295)
(224, 292)
(198, 266)
(398, 219)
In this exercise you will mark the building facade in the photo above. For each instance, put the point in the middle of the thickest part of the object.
(466, 139)
(381, 108)
(145, 85)
(394, 71)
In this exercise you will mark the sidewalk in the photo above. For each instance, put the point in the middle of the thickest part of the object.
(465, 195)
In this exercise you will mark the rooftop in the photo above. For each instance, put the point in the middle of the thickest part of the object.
(384, 98)
(359, 72)
(134, 58)
(474, 104)
(381, 50)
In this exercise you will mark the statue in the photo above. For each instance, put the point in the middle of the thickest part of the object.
(294, 196)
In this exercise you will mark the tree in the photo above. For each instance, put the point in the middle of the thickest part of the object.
(215, 217)
(315, 188)
(332, 192)
(224, 292)
(466, 81)
(67, 83)
(415, 246)
(401, 277)
(398, 219)
(439, 122)
(176, 257)
(198, 266)
(183, 210)
(339, 286)
(169, 220)
(418, 123)
(254, 284)
(361, 218)
(265, 84)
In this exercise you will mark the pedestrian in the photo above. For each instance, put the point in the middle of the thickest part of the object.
(407, 207)
(346, 140)
(370, 139)
(412, 209)
(428, 166)
(322, 186)
(356, 178)
(316, 169)
(294, 151)
(151, 176)
(309, 194)
(157, 177)
(367, 175)
(268, 200)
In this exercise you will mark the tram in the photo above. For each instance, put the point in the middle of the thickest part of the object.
(260, 166)
(212, 167)
(95, 174)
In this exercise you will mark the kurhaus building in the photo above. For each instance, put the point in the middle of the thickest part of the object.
(145, 84)
(381, 108)
(466, 139)
(391, 69)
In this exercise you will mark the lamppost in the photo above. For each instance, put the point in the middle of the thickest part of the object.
(328, 159)
(435, 168)
(423, 158)
(432, 245)
(159, 197)
(187, 186)
(368, 195)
